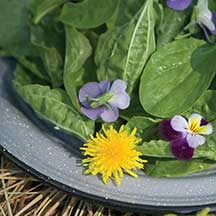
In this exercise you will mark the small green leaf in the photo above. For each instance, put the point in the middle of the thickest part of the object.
(78, 49)
(88, 13)
(156, 148)
(123, 52)
(147, 128)
(176, 76)
(174, 168)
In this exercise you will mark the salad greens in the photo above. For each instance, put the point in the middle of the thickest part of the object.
(166, 60)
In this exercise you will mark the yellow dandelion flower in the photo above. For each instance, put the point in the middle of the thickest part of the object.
(112, 154)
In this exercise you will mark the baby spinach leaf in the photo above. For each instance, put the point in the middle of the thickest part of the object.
(78, 49)
(54, 105)
(41, 8)
(125, 11)
(174, 168)
(168, 30)
(147, 128)
(123, 52)
(176, 76)
(156, 148)
(14, 32)
(88, 13)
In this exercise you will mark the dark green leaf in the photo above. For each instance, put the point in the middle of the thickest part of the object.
(123, 52)
(34, 66)
(176, 76)
(174, 168)
(49, 53)
(124, 13)
(41, 8)
(14, 32)
(88, 13)
(78, 49)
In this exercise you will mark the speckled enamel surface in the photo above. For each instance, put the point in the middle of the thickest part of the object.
(51, 157)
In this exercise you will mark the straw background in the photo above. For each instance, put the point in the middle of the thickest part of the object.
(23, 195)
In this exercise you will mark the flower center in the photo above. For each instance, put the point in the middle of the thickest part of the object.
(194, 127)
(100, 100)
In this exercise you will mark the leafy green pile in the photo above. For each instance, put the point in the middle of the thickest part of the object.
(60, 45)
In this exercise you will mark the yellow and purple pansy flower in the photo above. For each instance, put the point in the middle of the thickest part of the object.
(185, 135)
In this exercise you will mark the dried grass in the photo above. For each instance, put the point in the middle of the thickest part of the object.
(23, 195)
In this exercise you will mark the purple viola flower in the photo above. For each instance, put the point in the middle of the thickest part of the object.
(103, 99)
(178, 5)
(185, 136)
(204, 17)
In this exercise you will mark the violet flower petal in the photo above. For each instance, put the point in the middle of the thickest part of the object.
(181, 150)
(206, 32)
(93, 113)
(178, 5)
(104, 85)
(214, 21)
(120, 99)
(195, 140)
(118, 85)
(110, 115)
(203, 122)
(91, 90)
(167, 132)
(178, 123)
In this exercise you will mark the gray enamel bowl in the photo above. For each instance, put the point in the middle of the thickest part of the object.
(53, 156)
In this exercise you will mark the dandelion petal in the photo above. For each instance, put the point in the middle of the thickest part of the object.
(178, 4)
(179, 123)
(110, 115)
(93, 113)
(195, 140)
(121, 100)
(181, 150)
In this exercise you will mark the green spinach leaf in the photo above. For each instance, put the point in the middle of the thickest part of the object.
(123, 52)
(88, 13)
(176, 76)
(174, 168)
(41, 8)
(78, 49)
(54, 105)
(156, 148)
(168, 30)
(147, 128)
(49, 53)
(14, 32)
